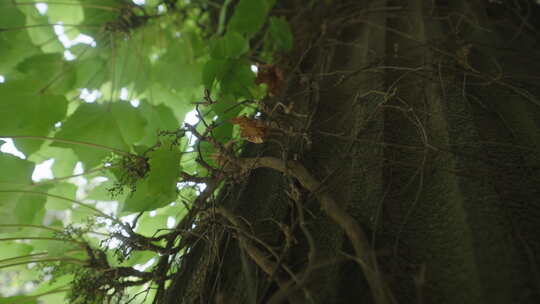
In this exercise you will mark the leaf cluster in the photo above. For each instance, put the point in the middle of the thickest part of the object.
(106, 115)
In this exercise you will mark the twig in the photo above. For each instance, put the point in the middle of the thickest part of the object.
(354, 232)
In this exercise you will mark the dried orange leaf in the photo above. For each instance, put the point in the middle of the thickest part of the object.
(272, 76)
(252, 130)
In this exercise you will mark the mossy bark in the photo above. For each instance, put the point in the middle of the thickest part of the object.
(422, 120)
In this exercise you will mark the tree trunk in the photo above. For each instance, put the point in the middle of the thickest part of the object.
(421, 120)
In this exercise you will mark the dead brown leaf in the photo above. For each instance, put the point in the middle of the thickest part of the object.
(252, 130)
(272, 76)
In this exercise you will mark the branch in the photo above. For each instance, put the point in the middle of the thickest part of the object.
(186, 177)
(354, 232)
(268, 266)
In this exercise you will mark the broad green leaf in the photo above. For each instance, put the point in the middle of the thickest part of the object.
(179, 68)
(59, 282)
(102, 193)
(214, 69)
(15, 45)
(82, 215)
(139, 257)
(149, 225)
(67, 12)
(249, 16)
(234, 76)
(15, 171)
(64, 162)
(12, 249)
(8, 203)
(164, 164)
(232, 45)
(59, 249)
(40, 31)
(130, 64)
(178, 102)
(66, 190)
(57, 297)
(30, 206)
(97, 13)
(10, 16)
(159, 118)
(85, 52)
(113, 125)
(91, 73)
(239, 80)
(153, 3)
(19, 300)
(223, 133)
(159, 187)
(177, 210)
(41, 112)
(64, 159)
(281, 34)
(129, 120)
(18, 207)
(50, 73)
(177, 75)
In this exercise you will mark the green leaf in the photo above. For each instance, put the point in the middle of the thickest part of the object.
(64, 162)
(149, 225)
(234, 76)
(178, 101)
(41, 112)
(91, 73)
(179, 68)
(59, 282)
(59, 249)
(18, 207)
(130, 64)
(223, 133)
(67, 190)
(40, 32)
(50, 73)
(214, 69)
(238, 80)
(19, 300)
(177, 75)
(64, 159)
(30, 206)
(129, 120)
(12, 250)
(95, 16)
(159, 187)
(249, 16)
(15, 171)
(164, 172)
(159, 118)
(102, 193)
(15, 46)
(10, 16)
(281, 34)
(139, 257)
(68, 12)
(232, 45)
(114, 125)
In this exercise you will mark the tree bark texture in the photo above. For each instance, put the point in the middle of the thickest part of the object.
(421, 120)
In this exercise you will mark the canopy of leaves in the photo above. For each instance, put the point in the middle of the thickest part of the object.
(97, 90)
